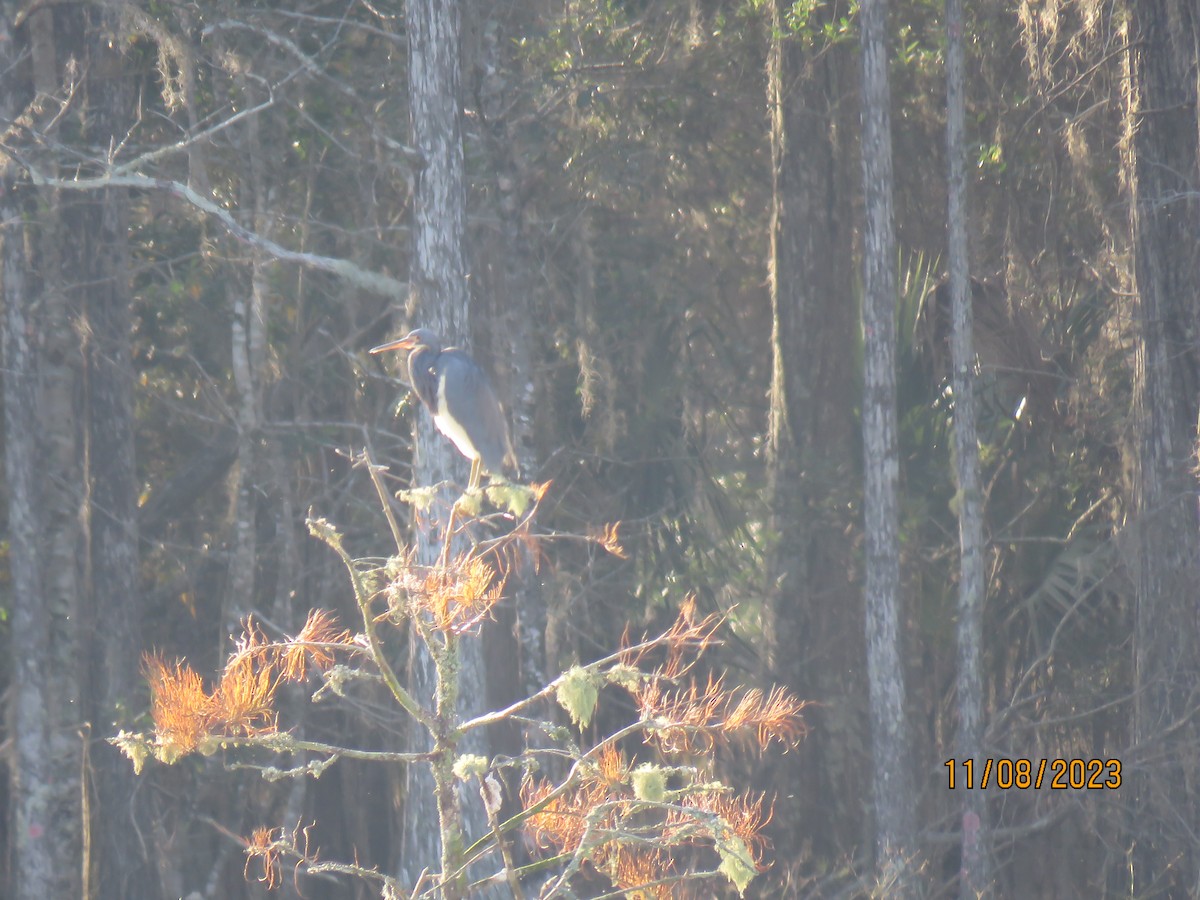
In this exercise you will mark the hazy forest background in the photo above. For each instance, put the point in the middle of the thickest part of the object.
(211, 210)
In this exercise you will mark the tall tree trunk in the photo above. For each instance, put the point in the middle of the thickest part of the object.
(34, 854)
(1165, 221)
(892, 775)
(440, 300)
(975, 877)
(247, 360)
(39, 850)
(504, 270)
(42, 453)
(814, 631)
(98, 231)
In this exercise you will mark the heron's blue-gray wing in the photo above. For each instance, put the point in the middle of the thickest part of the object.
(471, 402)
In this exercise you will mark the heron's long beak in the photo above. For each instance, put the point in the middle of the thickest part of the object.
(404, 343)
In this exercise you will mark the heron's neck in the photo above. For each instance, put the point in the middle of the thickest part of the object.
(422, 372)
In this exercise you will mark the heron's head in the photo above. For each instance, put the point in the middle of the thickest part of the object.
(418, 337)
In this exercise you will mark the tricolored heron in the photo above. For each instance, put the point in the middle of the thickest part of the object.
(459, 396)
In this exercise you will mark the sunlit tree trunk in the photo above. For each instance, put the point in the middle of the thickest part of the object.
(441, 301)
(975, 874)
(813, 631)
(891, 772)
(1165, 220)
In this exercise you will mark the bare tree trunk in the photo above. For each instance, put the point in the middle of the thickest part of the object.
(975, 876)
(247, 359)
(892, 775)
(813, 630)
(42, 461)
(38, 850)
(440, 300)
(124, 867)
(504, 270)
(35, 857)
(1165, 222)
(120, 863)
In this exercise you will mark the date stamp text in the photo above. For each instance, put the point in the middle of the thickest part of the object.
(1022, 774)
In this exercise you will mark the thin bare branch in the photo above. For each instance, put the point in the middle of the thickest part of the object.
(376, 282)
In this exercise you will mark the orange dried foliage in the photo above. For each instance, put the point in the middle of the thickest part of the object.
(561, 825)
(608, 538)
(777, 718)
(635, 869)
(178, 704)
(691, 720)
(459, 597)
(558, 825)
(745, 815)
(684, 716)
(685, 640)
(603, 794)
(688, 637)
(262, 847)
(321, 628)
(612, 766)
(243, 702)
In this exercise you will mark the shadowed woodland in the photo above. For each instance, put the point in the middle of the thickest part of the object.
(850, 354)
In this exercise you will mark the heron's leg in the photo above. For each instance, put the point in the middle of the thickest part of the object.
(475, 475)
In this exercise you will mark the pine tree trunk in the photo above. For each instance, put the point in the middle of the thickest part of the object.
(504, 286)
(247, 358)
(42, 452)
(813, 630)
(892, 774)
(38, 850)
(975, 876)
(441, 301)
(122, 864)
(1165, 222)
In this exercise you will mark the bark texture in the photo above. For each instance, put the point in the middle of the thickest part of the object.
(505, 288)
(96, 241)
(42, 378)
(1165, 219)
(814, 632)
(893, 793)
(975, 872)
(440, 300)
(38, 847)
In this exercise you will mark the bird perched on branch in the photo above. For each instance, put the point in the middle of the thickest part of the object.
(458, 394)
